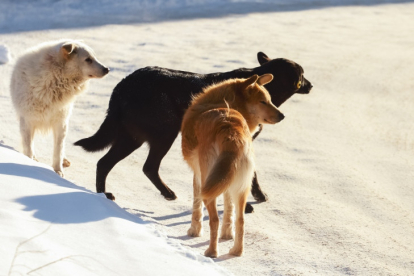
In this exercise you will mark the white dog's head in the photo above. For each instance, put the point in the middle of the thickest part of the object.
(80, 61)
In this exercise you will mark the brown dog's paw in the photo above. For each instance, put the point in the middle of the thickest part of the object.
(227, 234)
(193, 232)
(211, 253)
(236, 251)
(65, 163)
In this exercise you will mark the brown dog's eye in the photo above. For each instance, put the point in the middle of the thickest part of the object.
(88, 60)
(299, 84)
(263, 102)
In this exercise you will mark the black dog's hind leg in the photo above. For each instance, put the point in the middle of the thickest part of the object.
(123, 146)
(158, 149)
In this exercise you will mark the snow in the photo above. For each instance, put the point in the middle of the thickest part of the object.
(54, 227)
(338, 170)
(27, 15)
(4, 54)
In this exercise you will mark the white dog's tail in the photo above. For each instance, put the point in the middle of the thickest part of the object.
(103, 138)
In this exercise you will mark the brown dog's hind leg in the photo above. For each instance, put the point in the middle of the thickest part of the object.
(196, 228)
(212, 250)
(237, 249)
(227, 232)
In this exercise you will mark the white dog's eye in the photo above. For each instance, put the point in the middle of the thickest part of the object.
(88, 60)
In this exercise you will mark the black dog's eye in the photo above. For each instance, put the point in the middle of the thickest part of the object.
(88, 60)
(263, 102)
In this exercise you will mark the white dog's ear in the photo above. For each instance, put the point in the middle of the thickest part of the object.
(67, 50)
(265, 79)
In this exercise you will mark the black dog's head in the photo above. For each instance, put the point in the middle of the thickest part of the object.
(288, 78)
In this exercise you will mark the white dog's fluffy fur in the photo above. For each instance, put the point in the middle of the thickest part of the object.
(44, 85)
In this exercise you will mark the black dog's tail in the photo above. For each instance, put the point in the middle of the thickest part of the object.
(103, 138)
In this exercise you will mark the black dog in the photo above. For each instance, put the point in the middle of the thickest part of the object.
(148, 106)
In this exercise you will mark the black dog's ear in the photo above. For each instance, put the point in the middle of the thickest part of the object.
(262, 58)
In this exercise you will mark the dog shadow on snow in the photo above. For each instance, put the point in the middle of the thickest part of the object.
(183, 239)
(73, 204)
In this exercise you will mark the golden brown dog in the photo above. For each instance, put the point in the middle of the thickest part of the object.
(216, 143)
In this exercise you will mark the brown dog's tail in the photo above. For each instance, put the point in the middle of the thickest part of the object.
(224, 131)
(221, 176)
(103, 138)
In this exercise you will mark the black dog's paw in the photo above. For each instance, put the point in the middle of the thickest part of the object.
(259, 196)
(249, 209)
(110, 196)
(170, 196)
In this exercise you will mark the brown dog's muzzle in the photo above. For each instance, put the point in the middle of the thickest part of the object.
(275, 119)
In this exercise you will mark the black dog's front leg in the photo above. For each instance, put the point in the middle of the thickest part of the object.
(257, 192)
(257, 132)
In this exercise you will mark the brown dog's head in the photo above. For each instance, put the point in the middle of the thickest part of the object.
(258, 101)
(288, 78)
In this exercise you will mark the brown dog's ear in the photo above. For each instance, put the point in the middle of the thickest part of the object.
(265, 79)
(247, 83)
(68, 49)
(262, 58)
(250, 81)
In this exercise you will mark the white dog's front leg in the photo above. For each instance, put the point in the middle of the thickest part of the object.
(59, 133)
(27, 132)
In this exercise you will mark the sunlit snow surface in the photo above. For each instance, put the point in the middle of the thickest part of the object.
(338, 169)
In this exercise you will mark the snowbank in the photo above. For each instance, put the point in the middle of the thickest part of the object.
(338, 170)
(4, 54)
(53, 227)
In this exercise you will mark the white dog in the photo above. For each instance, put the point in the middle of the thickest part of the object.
(44, 85)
